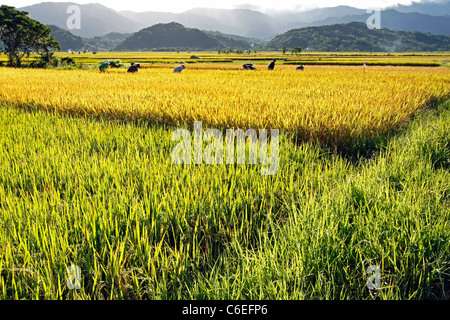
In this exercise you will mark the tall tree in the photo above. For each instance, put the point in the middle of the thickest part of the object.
(44, 44)
(297, 51)
(22, 35)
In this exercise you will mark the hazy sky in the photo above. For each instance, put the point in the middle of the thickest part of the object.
(260, 5)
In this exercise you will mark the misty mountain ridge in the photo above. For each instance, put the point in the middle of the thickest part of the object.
(170, 36)
(98, 20)
(430, 8)
(356, 37)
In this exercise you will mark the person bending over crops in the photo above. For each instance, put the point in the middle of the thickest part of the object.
(179, 69)
(249, 66)
(300, 67)
(271, 65)
(103, 66)
(134, 68)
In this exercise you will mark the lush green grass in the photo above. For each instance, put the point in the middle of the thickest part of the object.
(105, 196)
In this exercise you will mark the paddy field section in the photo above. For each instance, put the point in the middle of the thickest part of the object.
(86, 179)
(340, 107)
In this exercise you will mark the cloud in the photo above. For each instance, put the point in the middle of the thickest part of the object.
(260, 5)
(249, 6)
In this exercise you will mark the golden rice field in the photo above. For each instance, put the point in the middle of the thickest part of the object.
(334, 105)
(105, 195)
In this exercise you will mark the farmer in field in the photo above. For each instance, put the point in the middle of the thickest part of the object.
(300, 67)
(103, 66)
(272, 65)
(249, 66)
(179, 69)
(134, 68)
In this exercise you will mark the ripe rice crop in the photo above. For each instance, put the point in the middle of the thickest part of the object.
(105, 196)
(337, 106)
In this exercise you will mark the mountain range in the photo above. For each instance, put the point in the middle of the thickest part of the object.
(353, 36)
(98, 20)
(356, 37)
(161, 37)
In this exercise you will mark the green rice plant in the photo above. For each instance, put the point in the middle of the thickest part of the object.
(104, 195)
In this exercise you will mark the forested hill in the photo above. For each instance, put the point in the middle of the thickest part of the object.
(175, 36)
(69, 41)
(159, 37)
(356, 36)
